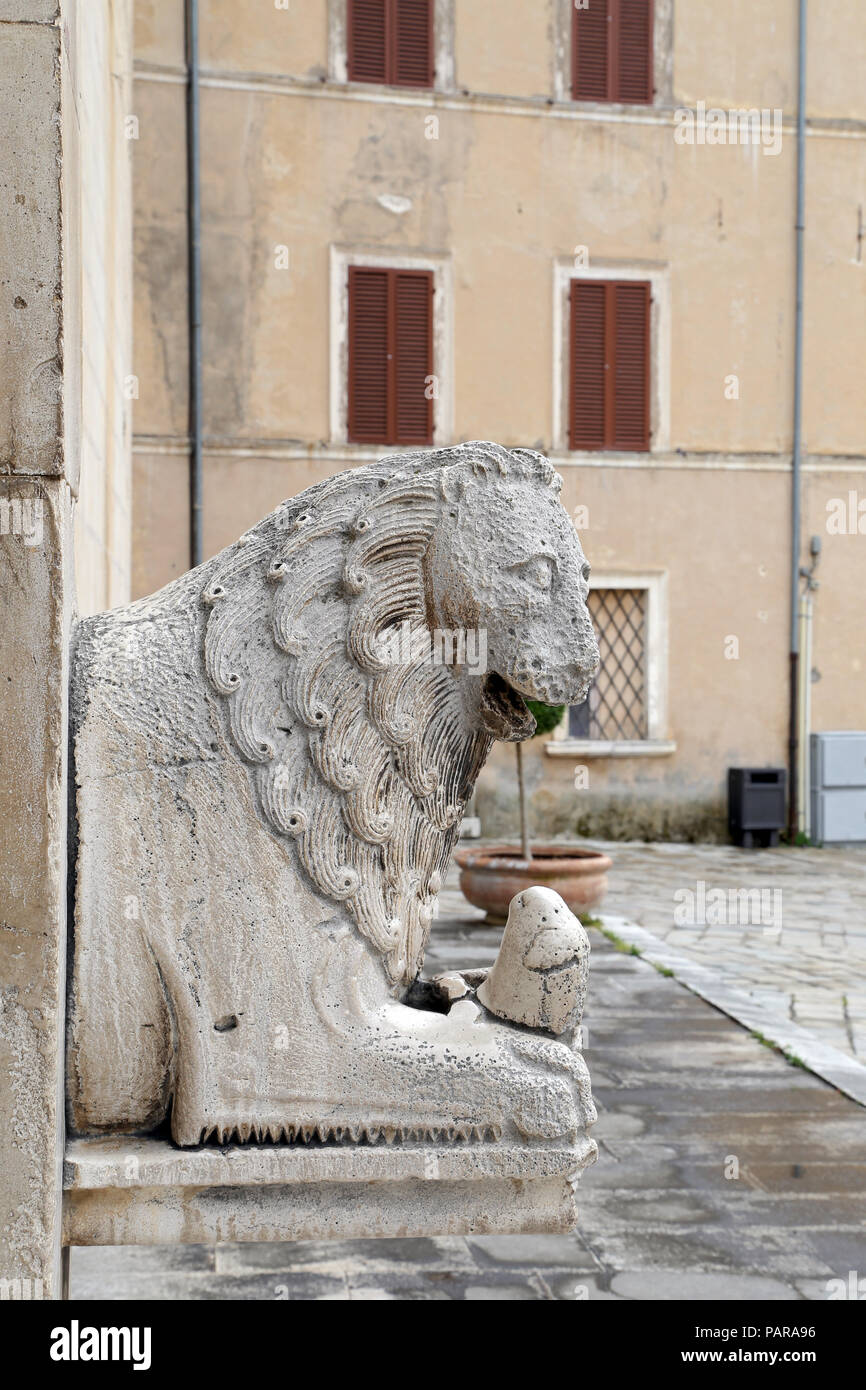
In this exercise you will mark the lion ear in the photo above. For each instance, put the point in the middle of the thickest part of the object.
(452, 482)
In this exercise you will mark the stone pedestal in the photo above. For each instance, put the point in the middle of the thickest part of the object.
(147, 1192)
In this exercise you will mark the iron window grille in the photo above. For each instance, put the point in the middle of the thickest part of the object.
(616, 706)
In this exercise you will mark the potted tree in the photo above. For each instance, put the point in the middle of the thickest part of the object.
(491, 875)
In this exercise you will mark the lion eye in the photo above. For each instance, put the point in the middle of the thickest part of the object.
(539, 572)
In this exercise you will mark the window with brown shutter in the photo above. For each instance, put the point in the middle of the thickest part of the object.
(391, 41)
(609, 364)
(612, 51)
(390, 356)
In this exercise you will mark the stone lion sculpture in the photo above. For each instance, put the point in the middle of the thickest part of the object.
(267, 803)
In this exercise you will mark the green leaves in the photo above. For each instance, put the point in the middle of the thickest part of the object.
(546, 716)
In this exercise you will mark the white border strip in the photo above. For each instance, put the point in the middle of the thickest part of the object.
(351, 454)
(488, 103)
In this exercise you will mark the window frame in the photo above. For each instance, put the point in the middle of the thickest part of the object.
(662, 60)
(656, 743)
(341, 258)
(658, 276)
(443, 51)
(616, 100)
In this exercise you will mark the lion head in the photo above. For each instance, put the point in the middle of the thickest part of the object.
(506, 561)
(360, 761)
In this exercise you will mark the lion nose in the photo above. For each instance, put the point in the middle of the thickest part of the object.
(580, 677)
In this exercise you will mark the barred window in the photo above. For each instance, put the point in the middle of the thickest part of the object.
(616, 706)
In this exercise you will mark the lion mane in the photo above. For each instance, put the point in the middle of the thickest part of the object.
(361, 763)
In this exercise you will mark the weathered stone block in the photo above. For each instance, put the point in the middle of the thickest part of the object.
(31, 437)
(35, 581)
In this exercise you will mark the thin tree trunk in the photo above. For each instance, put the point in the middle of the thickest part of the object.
(525, 847)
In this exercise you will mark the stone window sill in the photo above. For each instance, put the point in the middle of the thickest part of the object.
(597, 748)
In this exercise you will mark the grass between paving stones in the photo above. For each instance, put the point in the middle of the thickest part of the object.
(786, 1052)
(624, 946)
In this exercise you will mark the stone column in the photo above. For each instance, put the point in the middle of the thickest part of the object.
(37, 456)
(58, 59)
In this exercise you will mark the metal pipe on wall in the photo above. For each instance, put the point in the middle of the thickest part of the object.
(193, 173)
(804, 825)
(794, 750)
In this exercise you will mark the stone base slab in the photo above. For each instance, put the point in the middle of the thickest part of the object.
(127, 1191)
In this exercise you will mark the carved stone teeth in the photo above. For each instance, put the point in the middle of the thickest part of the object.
(245, 1131)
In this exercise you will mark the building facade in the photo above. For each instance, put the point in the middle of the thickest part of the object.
(561, 226)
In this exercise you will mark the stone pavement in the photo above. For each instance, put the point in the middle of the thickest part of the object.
(724, 1172)
(784, 928)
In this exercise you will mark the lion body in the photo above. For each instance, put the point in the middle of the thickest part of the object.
(258, 785)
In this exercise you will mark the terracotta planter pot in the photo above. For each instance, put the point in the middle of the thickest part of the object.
(490, 876)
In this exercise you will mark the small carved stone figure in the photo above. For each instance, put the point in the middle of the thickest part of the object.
(269, 788)
(540, 973)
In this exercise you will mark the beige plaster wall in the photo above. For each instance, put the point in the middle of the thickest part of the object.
(514, 182)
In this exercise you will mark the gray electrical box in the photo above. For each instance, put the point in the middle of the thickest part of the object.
(838, 780)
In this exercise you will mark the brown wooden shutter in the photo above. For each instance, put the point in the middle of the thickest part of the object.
(391, 41)
(413, 43)
(368, 355)
(587, 365)
(612, 51)
(390, 356)
(367, 46)
(590, 79)
(413, 358)
(631, 333)
(609, 342)
(634, 51)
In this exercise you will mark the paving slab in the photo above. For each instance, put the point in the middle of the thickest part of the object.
(784, 929)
